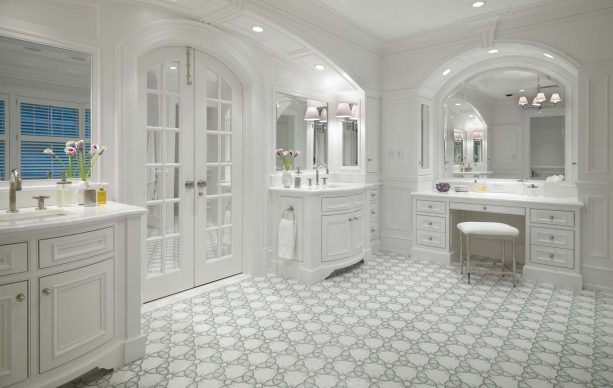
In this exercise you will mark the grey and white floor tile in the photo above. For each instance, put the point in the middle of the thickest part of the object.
(390, 322)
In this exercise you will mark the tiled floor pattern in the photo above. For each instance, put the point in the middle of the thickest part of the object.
(390, 322)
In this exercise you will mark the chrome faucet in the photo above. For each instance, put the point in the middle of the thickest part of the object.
(14, 187)
(317, 172)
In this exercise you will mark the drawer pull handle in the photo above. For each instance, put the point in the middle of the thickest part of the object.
(372, 212)
(372, 195)
(350, 219)
(373, 230)
(430, 223)
(484, 207)
(429, 206)
(430, 238)
(356, 218)
(47, 291)
(551, 255)
(551, 237)
(20, 297)
(551, 218)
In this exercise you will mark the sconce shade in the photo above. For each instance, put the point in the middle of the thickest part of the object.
(555, 98)
(355, 112)
(523, 100)
(311, 114)
(535, 102)
(540, 97)
(324, 115)
(477, 134)
(343, 110)
(457, 135)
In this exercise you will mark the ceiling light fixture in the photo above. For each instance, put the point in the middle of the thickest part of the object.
(257, 29)
(492, 51)
(540, 100)
(548, 55)
(447, 71)
(319, 67)
(478, 4)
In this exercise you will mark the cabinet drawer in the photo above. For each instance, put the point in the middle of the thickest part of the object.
(373, 230)
(65, 249)
(552, 238)
(552, 256)
(432, 239)
(13, 258)
(430, 206)
(373, 194)
(552, 217)
(330, 204)
(476, 207)
(374, 210)
(358, 201)
(430, 224)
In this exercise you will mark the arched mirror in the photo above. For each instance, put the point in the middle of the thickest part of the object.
(506, 123)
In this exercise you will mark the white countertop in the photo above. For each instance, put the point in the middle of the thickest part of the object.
(499, 197)
(54, 216)
(330, 188)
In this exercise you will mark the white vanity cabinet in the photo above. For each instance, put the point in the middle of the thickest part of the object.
(550, 227)
(70, 295)
(330, 229)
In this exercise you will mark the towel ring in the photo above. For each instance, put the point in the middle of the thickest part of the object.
(289, 210)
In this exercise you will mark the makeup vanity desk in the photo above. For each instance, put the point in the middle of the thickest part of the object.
(552, 230)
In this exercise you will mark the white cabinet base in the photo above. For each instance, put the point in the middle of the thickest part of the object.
(550, 275)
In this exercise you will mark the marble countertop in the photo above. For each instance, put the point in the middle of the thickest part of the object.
(330, 188)
(499, 197)
(53, 216)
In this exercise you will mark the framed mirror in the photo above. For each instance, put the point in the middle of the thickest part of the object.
(45, 101)
(424, 159)
(302, 124)
(349, 113)
(506, 123)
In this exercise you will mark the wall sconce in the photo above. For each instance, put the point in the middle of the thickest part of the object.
(311, 114)
(324, 115)
(343, 110)
(355, 112)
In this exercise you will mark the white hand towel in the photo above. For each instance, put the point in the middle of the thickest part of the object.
(287, 239)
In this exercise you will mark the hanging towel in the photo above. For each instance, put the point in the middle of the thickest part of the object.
(287, 239)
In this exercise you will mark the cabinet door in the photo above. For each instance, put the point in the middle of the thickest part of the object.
(76, 313)
(358, 236)
(372, 134)
(13, 333)
(336, 236)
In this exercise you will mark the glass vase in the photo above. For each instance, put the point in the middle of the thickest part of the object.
(79, 192)
(286, 179)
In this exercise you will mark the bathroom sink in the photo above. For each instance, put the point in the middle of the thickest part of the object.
(30, 215)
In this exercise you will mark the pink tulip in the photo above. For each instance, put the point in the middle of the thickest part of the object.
(71, 151)
(80, 144)
(48, 151)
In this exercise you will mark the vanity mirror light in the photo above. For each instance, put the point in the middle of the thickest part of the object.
(302, 124)
(45, 101)
(350, 115)
(506, 123)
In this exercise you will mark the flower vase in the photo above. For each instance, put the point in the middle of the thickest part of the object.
(286, 179)
(79, 197)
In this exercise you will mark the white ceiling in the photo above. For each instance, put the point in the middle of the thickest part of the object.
(393, 19)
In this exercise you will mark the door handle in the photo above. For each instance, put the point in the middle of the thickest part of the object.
(189, 184)
(201, 183)
(47, 291)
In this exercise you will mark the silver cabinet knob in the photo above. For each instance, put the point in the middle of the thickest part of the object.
(190, 184)
(484, 207)
(551, 255)
(430, 223)
(47, 291)
(373, 230)
(200, 193)
(201, 183)
(350, 219)
(551, 218)
(20, 297)
(551, 237)
(356, 218)
(429, 238)
(372, 212)
(370, 159)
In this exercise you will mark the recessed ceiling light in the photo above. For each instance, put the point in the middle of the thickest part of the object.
(548, 55)
(173, 68)
(471, 116)
(492, 51)
(478, 4)
(257, 29)
(447, 71)
(319, 67)
(458, 104)
(522, 90)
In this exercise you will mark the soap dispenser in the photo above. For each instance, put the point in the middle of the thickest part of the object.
(297, 179)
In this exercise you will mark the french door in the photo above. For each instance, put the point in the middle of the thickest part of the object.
(190, 105)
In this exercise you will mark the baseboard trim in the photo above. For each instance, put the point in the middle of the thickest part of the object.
(552, 276)
(134, 348)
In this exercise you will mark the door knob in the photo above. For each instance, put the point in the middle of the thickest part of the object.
(47, 291)
(189, 184)
(201, 183)
(21, 297)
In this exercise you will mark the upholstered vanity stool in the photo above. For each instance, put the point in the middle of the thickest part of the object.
(486, 230)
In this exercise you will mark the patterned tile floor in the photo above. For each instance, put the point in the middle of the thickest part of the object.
(390, 322)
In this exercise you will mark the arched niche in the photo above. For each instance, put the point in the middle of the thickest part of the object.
(511, 55)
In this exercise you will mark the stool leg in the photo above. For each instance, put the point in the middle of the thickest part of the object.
(461, 253)
(513, 242)
(503, 242)
(468, 256)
